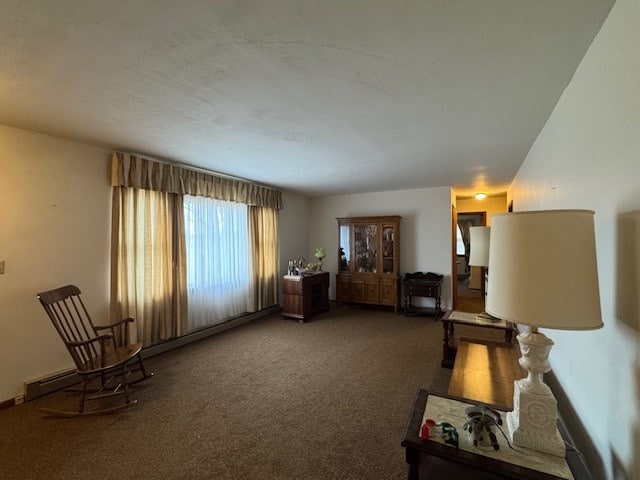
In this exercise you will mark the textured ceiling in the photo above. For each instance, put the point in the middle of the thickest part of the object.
(319, 96)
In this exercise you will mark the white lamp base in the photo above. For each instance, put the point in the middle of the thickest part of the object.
(532, 424)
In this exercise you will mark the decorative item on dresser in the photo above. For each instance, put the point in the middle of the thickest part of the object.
(369, 251)
(320, 254)
(422, 285)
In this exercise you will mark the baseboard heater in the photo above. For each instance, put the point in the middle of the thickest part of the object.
(52, 383)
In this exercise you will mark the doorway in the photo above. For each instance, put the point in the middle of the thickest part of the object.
(470, 280)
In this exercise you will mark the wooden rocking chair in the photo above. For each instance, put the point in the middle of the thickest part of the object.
(102, 354)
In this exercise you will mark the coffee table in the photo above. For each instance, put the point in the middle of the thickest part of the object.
(518, 464)
(468, 319)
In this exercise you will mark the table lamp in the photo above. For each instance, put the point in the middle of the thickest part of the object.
(479, 240)
(544, 275)
(479, 256)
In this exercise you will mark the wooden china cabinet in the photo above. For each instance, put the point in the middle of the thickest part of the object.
(369, 260)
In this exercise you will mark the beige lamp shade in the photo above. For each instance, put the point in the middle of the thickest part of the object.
(479, 240)
(543, 270)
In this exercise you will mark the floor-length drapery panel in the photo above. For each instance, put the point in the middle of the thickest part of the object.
(148, 277)
(264, 249)
(218, 260)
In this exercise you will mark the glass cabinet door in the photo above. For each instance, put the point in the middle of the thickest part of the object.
(344, 252)
(365, 239)
(388, 256)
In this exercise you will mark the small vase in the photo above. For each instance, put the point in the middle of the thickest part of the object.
(481, 424)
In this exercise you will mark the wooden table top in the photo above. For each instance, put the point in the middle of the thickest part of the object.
(466, 318)
(484, 371)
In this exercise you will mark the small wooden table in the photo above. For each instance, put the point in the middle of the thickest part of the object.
(518, 464)
(422, 285)
(485, 371)
(468, 319)
(304, 296)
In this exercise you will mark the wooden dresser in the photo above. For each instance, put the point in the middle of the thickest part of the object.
(304, 296)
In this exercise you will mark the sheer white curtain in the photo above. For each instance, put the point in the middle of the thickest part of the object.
(218, 260)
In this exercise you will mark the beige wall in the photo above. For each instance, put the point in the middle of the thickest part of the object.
(294, 229)
(425, 228)
(490, 205)
(588, 156)
(54, 230)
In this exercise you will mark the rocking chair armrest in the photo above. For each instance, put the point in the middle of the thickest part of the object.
(116, 324)
(100, 338)
(105, 327)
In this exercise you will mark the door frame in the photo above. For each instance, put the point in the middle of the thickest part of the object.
(454, 257)
(454, 263)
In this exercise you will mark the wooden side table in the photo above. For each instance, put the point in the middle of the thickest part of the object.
(422, 285)
(468, 319)
(518, 464)
(485, 371)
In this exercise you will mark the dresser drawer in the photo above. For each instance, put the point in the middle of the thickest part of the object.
(423, 290)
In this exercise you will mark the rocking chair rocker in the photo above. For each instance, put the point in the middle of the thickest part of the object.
(102, 354)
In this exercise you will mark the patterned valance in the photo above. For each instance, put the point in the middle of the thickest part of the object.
(138, 172)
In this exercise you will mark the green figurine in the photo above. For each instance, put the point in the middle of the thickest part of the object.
(449, 434)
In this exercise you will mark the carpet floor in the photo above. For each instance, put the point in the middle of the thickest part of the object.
(273, 399)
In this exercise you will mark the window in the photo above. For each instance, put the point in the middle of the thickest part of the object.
(218, 260)
(232, 252)
(460, 248)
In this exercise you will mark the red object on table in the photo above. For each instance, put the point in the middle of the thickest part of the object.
(428, 429)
